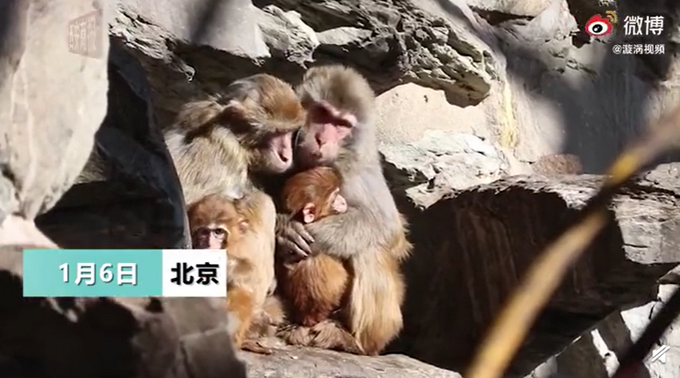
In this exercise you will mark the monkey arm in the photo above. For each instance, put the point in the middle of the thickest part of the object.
(342, 235)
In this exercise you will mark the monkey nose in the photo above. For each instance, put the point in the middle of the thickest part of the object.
(319, 140)
(285, 156)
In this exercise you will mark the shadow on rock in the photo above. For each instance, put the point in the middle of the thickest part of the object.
(128, 195)
(472, 249)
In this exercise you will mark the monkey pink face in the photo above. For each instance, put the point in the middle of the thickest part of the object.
(210, 238)
(279, 152)
(324, 133)
(339, 204)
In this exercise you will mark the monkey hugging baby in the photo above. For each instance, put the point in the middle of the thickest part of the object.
(288, 181)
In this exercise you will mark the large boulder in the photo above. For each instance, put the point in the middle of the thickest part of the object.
(128, 195)
(48, 119)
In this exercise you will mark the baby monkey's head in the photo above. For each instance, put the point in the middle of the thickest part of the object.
(215, 221)
(314, 194)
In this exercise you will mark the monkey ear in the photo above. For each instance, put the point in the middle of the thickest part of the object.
(233, 110)
(235, 113)
(243, 225)
(308, 213)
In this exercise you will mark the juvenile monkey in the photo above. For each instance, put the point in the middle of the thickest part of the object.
(371, 235)
(313, 287)
(219, 222)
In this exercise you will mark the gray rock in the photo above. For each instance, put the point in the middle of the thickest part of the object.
(91, 337)
(526, 8)
(441, 163)
(53, 95)
(43, 150)
(128, 195)
(395, 42)
(286, 35)
(472, 247)
(293, 362)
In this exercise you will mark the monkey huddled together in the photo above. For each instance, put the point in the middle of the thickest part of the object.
(288, 181)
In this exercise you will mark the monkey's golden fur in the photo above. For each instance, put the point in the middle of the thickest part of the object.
(217, 146)
(371, 235)
(250, 263)
(217, 143)
(315, 287)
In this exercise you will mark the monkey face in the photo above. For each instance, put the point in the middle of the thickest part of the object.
(210, 237)
(324, 134)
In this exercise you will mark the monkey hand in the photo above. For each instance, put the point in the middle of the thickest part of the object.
(292, 240)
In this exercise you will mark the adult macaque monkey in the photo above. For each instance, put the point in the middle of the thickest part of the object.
(339, 132)
(219, 143)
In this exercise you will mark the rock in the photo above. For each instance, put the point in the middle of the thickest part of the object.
(293, 362)
(224, 25)
(405, 43)
(62, 88)
(128, 195)
(286, 35)
(561, 86)
(43, 150)
(392, 42)
(558, 164)
(471, 249)
(523, 8)
(596, 354)
(405, 112)
(440, 163)
(90, 337)
(15, 230)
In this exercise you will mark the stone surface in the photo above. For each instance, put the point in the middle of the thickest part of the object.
(293, 362)
(43, 150)
(391, 42)
(441, 163)
(128, 195)
(95, 337)
(53, 59)
(472, 248)
(596, 354)
(526, 8)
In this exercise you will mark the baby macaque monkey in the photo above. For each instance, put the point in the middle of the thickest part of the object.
(219, 222)
(314, 287)
(215, 223)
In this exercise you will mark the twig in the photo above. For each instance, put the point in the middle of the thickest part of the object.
(546, 273)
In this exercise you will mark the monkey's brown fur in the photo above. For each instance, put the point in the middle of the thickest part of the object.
(313, 287)
(371, 235)
(250, 260)
(217, 143)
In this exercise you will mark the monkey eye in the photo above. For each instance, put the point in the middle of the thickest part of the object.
(219, 231)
